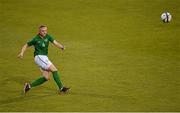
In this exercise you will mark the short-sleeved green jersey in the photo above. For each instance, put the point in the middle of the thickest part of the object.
(40, 44)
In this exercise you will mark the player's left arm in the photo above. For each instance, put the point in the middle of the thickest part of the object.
(58, 45)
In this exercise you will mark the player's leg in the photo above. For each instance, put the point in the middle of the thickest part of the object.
(56, 76)
(57, 79)
(39, 81)
(41, 62)
(46, 74)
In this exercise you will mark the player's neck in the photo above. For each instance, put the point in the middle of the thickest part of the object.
(41, 36)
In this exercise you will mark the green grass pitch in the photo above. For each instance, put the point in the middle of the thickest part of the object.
(119, 55)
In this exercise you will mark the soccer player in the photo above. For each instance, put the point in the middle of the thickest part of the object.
(41, 43)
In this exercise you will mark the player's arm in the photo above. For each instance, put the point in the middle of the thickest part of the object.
(28, 44)
(21, 54)
(58, 45)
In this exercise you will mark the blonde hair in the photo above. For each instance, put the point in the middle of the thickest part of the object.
(41, 26)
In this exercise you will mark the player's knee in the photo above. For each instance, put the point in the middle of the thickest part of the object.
(53, 68)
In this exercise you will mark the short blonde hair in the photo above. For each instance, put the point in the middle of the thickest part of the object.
(41, 26)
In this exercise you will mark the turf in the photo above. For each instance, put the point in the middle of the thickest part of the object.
(119, 55)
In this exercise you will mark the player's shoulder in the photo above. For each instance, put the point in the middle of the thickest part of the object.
(49, 36)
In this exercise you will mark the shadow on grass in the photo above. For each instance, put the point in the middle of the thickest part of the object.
(21, 97)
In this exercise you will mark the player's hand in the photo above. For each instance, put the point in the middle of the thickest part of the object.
(63, 48)
(20, 55)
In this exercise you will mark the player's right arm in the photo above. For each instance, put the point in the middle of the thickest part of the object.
(29, 43)
(21, 54)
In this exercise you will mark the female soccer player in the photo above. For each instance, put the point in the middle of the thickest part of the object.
(41, 43)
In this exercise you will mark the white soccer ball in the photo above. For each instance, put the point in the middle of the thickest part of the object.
(166, 17)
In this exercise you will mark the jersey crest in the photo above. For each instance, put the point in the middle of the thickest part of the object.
(43, 45)
(46, 40)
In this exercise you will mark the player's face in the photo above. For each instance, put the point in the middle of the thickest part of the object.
(43, 31)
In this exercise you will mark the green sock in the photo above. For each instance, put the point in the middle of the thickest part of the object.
(38, 81)
(57, 79)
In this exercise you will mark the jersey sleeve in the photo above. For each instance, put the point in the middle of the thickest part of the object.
(31, 42)
(51, 39)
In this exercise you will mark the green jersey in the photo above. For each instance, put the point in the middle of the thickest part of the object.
(40, 44)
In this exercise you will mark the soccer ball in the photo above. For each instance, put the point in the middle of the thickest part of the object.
(166, 17)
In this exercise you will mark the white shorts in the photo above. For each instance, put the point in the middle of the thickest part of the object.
(42, 61)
